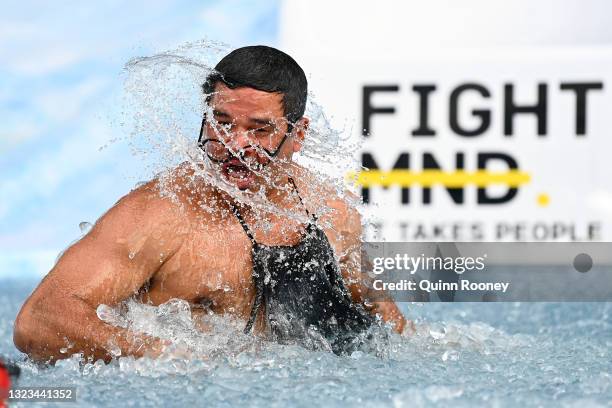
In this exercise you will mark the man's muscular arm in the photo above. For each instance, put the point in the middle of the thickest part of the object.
(124, 249)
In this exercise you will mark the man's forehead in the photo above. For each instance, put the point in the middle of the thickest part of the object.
(246, 102)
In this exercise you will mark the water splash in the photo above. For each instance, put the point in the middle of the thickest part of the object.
(164, 104)
(208, 335)
(212, 337)
(561, 359)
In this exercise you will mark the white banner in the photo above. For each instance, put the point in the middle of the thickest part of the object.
(511, 145)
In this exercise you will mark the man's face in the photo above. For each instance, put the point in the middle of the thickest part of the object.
(248, 123)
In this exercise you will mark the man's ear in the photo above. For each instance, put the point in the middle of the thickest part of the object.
(299, 133)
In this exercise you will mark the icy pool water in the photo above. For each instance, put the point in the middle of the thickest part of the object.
(485, 354)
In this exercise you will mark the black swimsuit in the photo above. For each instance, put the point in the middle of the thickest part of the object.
(301, 292)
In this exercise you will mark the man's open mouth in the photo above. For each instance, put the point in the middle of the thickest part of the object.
(238, 172)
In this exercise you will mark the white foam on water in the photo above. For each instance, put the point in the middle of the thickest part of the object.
(552, 360)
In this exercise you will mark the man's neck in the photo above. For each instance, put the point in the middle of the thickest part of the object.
(280, 192)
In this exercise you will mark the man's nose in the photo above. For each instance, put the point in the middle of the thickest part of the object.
(240, 140)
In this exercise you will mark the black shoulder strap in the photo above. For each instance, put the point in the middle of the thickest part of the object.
(245, 227)
(313, 216)
(258, 280)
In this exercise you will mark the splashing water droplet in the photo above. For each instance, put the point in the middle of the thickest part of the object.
(437, 331)
(85, 227)
(450, 355)
(111, 316)
(114, 350)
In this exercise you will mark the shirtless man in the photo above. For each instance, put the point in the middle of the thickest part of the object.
(153, 248)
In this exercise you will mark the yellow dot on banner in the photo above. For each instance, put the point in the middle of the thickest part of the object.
(543, 200)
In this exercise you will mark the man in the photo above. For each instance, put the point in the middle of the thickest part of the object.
(209, 248)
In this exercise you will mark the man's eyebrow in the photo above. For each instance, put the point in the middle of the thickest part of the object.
(262, 121)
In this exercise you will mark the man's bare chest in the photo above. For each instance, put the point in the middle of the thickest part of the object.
(213, 267)
(214, 273)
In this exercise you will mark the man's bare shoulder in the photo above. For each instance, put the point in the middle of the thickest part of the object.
(144, 202)
(177, 190)
(162, 203)
(333, 201)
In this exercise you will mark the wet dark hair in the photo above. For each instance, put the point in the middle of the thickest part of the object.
(266, 69)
